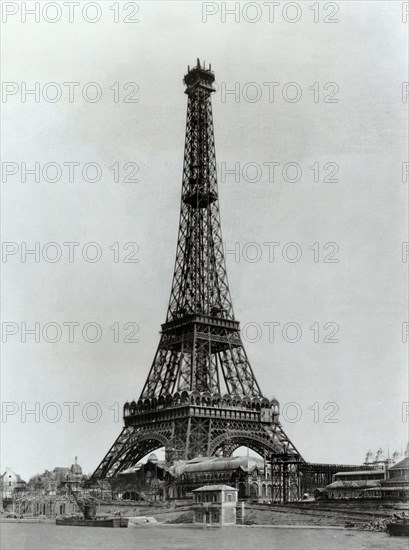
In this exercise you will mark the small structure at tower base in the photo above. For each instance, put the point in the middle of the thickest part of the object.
(215, 505)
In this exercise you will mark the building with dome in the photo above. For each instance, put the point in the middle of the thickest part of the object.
(76, 470)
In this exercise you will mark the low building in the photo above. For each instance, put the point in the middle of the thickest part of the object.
(357, 484)
(314, 477)
(400, 470)
(396, 487)
(215, 505)
(32, 504)
(387, 483)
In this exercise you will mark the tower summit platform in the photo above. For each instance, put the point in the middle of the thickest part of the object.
(199, 77)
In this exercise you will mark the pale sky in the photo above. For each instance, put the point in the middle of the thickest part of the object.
(364, 213)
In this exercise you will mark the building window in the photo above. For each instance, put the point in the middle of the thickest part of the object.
(229, 498)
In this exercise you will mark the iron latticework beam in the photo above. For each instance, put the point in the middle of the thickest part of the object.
(200, 347)
(201, 396)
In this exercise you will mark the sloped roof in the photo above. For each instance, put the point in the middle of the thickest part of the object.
(358, 484)
(131, 470)
(210, 464)
(396, 488)
(402, 465)
(360, 472)
(139, 465)
(396, 479)
(153, 458)
(18, 477)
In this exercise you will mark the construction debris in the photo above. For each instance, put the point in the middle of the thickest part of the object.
(379, 525)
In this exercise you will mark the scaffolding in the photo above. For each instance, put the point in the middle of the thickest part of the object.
(285, 477)
(37, 504)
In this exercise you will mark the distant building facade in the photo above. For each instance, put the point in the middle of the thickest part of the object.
(356, 484)
(396, 487)
(385, 480)
(52, 483)
(45, 494)
(11, 483)
(73, 473)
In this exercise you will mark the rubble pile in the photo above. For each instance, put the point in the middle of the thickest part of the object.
(375, 525)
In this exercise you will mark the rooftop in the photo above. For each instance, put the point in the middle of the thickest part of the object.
(360, 473)
(395, 480)
(208, 464)
(358, 484)
(215, 488)
(9, 472)
(139, 465)
(401, 465)
(132, 470)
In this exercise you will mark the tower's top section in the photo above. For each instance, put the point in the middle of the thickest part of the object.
(199, 77)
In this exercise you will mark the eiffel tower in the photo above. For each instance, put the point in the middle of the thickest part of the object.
(201, 396)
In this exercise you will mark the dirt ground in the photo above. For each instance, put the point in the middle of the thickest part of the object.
(253, 515)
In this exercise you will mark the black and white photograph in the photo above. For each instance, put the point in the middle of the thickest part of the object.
(204, 275)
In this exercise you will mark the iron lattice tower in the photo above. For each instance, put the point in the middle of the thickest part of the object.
(201, 396)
